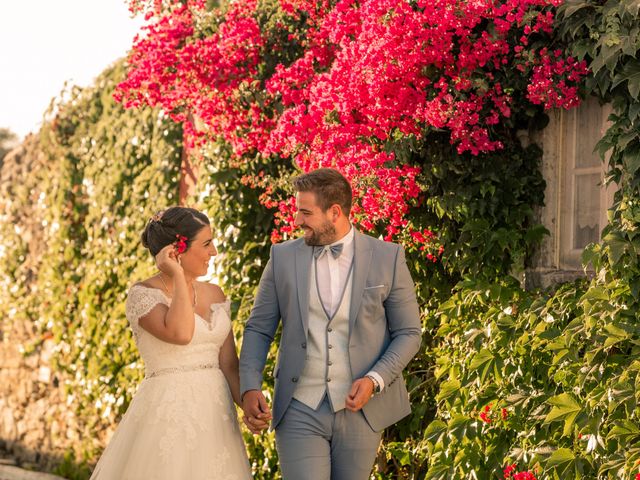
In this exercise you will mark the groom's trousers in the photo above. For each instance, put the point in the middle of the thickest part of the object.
(323, 445)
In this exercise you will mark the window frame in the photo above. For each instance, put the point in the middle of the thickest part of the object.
(568, 256)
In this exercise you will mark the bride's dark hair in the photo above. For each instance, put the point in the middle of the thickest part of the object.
(164, 227)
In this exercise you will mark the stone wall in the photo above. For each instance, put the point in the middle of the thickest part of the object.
(36, 424)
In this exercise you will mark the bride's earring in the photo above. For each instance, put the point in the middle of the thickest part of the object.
(179, 261)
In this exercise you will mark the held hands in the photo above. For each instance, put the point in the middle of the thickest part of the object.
(360, 394)
(257, 414)
(167, 261)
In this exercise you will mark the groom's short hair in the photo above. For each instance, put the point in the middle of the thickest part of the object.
(330, 188)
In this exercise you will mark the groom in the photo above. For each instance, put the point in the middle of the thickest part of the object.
(350, 325)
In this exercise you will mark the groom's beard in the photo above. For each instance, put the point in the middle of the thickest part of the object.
(324, 235)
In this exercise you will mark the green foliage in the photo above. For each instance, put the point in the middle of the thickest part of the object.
(106, 170)
(484, 219)
(562, 364)
(608, 37)
(557, 374)
(72, 469)
(483, 216)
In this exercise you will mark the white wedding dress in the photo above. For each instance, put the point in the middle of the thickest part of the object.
(181, 424)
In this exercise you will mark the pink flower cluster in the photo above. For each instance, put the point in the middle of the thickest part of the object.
(555, 80)
(371, 73)
(211, 79)
(425, 242)
(511, 473)
(487, 415)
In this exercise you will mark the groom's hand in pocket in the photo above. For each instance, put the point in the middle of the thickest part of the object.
(257, 413)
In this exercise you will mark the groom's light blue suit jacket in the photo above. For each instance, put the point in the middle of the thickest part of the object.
(384, 324)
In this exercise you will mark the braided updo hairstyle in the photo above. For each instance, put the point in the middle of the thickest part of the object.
(163, 228)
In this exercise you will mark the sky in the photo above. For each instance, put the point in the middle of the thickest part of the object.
(47, 42)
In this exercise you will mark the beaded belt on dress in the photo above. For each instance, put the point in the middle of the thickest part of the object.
(186, 368)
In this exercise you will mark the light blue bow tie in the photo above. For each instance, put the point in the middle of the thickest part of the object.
(336, 250)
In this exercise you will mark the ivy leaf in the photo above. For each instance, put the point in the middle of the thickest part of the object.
(591, 256)
(629, 41)
(572, 6)
(634, 110)
(611, 51)
(614, 335)
(631, 158)
(631, 6)
(448, 389)
(580, 48)
(630, 72)
(596, 293)
(565, 407)
(626, 138)
(561, 460)
(624, 430)
(482, 360)
(458, 426)
(614, 465)
(435, 431)
(516, 399)
(536, 233)
(622, 393)
(617, 246)
(604, 57)
(438, 472)
(602, 79)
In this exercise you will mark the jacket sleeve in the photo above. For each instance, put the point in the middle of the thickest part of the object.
(259, 330)
(403, 321)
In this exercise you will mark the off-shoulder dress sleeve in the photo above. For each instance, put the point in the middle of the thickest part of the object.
(140, 301)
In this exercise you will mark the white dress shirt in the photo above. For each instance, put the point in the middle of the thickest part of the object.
(332, 276)
(333, 272)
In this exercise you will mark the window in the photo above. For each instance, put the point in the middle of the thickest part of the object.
(583, 198)
(576, 202)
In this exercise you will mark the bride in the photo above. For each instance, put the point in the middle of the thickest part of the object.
(181, 423)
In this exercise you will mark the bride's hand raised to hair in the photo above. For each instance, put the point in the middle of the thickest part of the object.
(167, 261)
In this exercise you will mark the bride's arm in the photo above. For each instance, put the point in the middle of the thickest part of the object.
(229, 366)
(175, 324)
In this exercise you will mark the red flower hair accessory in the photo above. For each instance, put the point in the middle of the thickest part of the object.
(181, 243)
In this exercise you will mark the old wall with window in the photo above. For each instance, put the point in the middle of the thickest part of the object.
(576, 200)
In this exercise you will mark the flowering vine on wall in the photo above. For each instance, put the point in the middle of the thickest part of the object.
(343, 83)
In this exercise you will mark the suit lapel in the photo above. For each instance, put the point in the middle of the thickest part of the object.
(303, 266)
(362, 254)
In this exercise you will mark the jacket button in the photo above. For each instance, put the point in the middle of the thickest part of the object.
(304, 345)
(294, 379)
(329, 363)
(329, 329)
(328, 379)
(330, 346)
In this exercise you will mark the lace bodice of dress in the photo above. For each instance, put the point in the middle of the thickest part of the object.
(203, 349)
